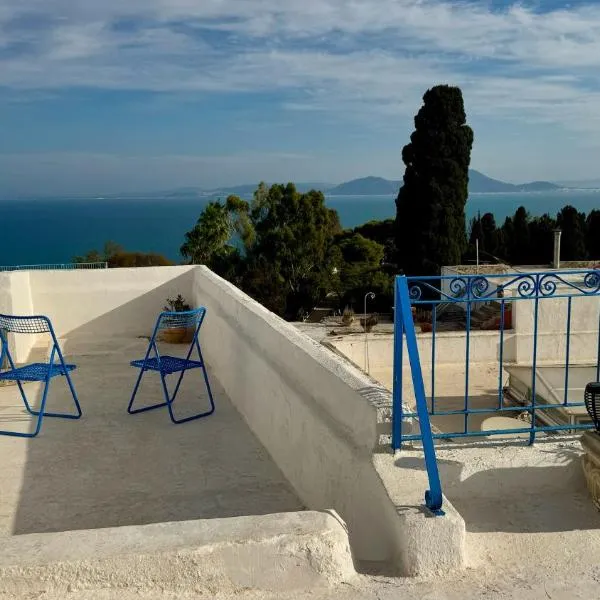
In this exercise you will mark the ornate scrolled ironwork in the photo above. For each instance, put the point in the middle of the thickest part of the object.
(415, 293)
(462, 288)
(479, 286)
(459, 287)
(592, 280)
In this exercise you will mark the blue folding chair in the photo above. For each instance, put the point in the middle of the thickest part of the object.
(168, 365)
(34, 371)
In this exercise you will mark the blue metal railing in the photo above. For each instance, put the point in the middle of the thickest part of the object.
(404, 328)
(55, 267)
(505, 290)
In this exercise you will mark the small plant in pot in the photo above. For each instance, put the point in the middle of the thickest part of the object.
(347, 317)
(370, 322)
(177, 335)
(424, 319)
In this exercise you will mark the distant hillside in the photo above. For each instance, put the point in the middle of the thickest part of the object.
(366, 186)
(249, 189)
(482, 184)
(478, 184)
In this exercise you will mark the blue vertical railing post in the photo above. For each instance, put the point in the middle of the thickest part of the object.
(397, 415)
(433, 333)
(433, 496)
(536, 310)
(568, 350)
(467, 354)
(501, 356)
(598, 354)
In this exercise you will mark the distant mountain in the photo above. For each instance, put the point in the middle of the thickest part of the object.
(366, 186)
(587, 184)
(482, 184)
(478, 184)
(249, 189)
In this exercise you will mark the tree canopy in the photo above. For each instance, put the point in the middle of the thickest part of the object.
(116, 256)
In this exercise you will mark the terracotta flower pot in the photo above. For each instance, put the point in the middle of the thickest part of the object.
(179, 335)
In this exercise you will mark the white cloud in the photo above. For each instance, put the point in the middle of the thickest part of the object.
(346, 56)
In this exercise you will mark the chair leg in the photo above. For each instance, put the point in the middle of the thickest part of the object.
(172, 399)
(63, 415)
(133, 411)
(40, 414)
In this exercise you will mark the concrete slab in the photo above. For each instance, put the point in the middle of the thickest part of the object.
(522, 505)
(280, 552)
(111, 469)
(430, 544)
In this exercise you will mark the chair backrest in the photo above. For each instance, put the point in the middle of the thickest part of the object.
(29, 324)
(180, 320)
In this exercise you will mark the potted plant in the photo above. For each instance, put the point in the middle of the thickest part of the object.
(370, 322)
(347, 317)
(177, 335)
(424, 319)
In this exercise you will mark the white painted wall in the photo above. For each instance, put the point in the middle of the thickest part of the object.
(15, 299)
(108, 302)
(315, 414)
(450, 348)
(552, 328)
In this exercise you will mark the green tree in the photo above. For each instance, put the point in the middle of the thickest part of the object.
(209, 236)
(593, 234)
(541, 237)
(358, 271)
(282, 241)
(517, 243)
(573, 226)
(116, 256)
(430, 214)
(382, 232)
(138, 259)
(292, 232)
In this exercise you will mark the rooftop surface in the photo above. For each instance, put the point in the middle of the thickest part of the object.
(110, 468)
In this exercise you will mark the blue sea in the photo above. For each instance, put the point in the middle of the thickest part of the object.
(54, 230)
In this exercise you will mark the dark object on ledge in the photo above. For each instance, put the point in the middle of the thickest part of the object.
(592, 403)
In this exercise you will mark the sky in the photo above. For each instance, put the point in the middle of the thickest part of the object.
(102, 96)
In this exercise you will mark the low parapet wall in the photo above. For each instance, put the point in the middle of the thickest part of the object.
(318, 418)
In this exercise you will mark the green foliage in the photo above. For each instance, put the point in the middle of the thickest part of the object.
(116, 256)
(357, 262)
(177, 304)
(573, 225)
(210, 234)
(485, 231)
(523, 240)
(382, 232)
(593, 234)
(430, 228)
(138, 259)
(284, 238)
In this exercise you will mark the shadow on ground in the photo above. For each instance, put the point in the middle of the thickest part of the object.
(112, 469)
(523, 499)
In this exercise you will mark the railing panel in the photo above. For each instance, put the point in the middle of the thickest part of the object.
(550, 318)
(55, 267)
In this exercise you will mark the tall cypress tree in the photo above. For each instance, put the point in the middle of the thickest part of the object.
(430, 208)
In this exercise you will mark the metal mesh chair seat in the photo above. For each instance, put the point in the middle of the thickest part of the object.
(36, 372)
(166, 364)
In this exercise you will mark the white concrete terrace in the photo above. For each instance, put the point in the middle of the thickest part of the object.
(111, 469)
(295, 426)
